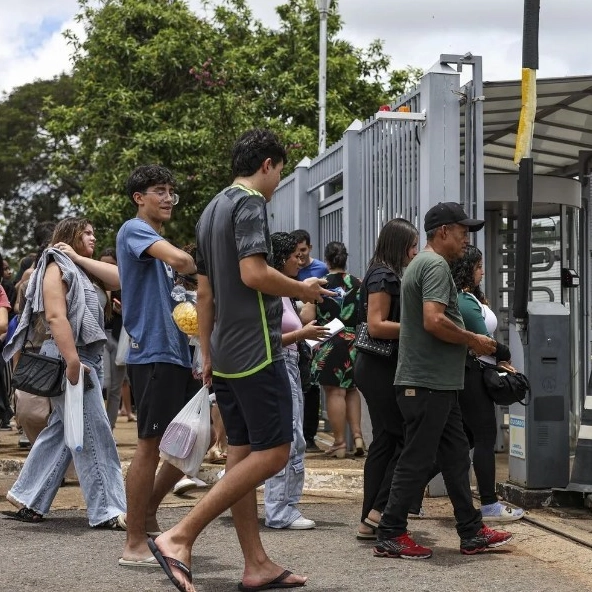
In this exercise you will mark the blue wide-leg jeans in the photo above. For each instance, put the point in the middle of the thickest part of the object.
(97, 465)
(283, 490)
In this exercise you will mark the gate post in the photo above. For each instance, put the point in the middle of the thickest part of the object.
(439, 162)
(351, 198)
(439, 174)
(306, 207)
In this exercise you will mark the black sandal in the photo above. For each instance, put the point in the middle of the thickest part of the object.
(25, 515)
(111, 524)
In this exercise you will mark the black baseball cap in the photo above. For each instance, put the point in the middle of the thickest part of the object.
(450, 212)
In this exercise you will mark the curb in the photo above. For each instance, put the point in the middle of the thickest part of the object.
(11, 466)
(317, 481)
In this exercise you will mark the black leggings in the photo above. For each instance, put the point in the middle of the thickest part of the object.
(312, 402)
(478, 413)
(374, 376)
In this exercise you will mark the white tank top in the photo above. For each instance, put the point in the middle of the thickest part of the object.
(490, 321)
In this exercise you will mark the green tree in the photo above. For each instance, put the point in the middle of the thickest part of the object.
(28, 195)
(156, 83)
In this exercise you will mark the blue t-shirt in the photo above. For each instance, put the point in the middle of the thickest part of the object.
(147, 306)
(315, 269)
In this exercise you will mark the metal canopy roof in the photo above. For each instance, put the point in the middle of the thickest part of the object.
(562, 128)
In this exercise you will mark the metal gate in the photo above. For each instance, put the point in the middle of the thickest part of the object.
(398, 163)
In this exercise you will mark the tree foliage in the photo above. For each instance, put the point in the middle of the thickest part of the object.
(27, 193)
(155, 82)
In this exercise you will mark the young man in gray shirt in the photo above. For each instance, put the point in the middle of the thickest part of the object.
(240, 311)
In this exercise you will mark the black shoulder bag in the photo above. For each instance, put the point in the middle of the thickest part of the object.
(504, 387)
(38, 374)
(363, 341)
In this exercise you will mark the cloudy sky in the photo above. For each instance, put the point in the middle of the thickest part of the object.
(415, 33)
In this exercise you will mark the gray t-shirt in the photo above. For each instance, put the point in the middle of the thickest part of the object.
(247, 333)
(424, 360)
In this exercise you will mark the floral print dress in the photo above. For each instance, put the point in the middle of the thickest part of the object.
(333, 361)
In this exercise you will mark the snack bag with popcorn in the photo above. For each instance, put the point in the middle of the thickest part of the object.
(184, 313)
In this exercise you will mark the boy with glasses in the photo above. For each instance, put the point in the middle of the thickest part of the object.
(159, 362)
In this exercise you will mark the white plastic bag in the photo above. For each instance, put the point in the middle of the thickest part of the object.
(73, 414)
(187, 438)
(123, 346)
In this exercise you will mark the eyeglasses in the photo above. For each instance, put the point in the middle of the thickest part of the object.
(163, 194)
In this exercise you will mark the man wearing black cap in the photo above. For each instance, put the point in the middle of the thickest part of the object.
(432, 349)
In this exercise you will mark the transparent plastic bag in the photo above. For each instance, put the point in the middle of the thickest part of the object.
(123, 346)
(187, 438)
(185, 313)
(73, 414)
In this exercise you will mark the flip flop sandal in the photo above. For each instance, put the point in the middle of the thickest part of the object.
(24, 515)
(371, 523)
(366, 536)
(167, 562)
(277, 583)
(216, 457)
(149, 562)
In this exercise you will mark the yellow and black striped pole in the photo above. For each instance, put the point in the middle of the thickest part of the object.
(523, 158)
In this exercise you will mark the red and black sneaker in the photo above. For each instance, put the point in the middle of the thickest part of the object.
(486, 538)
(402, 546)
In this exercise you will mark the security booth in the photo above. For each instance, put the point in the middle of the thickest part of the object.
(539, 431)
(551, 345)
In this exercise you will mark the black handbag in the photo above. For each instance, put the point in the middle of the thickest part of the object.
(371, 345)
(504, 387)
(39, 375)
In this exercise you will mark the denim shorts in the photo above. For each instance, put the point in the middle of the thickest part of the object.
(256, 409)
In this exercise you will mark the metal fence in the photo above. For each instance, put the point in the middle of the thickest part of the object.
(395, 164)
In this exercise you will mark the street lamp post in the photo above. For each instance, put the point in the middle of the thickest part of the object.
(323, 6)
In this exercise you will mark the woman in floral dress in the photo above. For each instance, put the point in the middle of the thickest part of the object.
(333, 362)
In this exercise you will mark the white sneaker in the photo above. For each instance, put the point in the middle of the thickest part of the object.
(499, 512)
(417, 516)
(301, 523)
(188, 484)
(199, 482)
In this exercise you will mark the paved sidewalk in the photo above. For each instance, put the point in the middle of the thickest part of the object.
(327, 480)
(62, 553)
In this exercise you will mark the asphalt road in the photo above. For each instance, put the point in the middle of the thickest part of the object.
(64, 554)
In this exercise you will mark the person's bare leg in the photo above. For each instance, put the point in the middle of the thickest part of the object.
(139, 485)
(336, 412)
(259, 568)
(375, 516)
(353, 406)
(244, 471)
(126, 400)
(220, 443)
(166, 477)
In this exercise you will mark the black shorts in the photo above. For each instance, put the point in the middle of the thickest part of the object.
(160, 391)
(256, 409)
